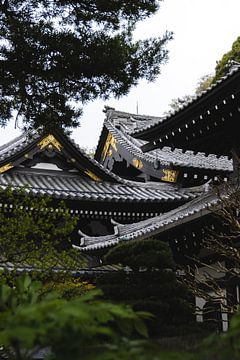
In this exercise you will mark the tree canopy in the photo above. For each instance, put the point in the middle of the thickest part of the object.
(224, 64)
(43, 239)
(56, 55)
(151, 254)
(222, 68)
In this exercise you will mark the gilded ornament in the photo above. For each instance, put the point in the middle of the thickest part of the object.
(110, 141)
(5, 168)
(50, 140)
(137, 163)
(114, 143)
(170, 175)
(92, 175)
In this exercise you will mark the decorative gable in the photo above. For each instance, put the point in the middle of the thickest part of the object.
(54, 151)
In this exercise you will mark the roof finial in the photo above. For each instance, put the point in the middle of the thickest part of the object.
(137, 107)
(108, 108)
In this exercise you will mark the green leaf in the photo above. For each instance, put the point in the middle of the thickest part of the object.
(23, 283)
(141, 327)
(5, 292)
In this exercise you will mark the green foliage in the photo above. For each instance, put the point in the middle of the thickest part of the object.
(178, 103)
(204, 83)
(156, 292)
(223, 65)
(30, 321)
(68, 287)
(33, 233)
(140, 350)
(151, 285)
(151, 254)
(55, 53)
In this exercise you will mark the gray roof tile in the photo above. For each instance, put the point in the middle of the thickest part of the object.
(61, 185)
(14, 146)
(26, 139)
(150, 227)
(167, 156)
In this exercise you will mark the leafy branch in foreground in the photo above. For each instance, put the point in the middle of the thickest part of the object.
(85, 327)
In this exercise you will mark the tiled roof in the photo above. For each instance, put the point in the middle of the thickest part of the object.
(96, 163)
(150, 227)
(166, 156)
(129, 122)
(14, 146)
(25, 267)
(72, 186)
(194, 99)
(195, 160)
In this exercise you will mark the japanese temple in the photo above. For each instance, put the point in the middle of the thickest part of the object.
(150, 177)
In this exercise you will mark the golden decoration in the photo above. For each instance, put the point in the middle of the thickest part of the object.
(110, 141)
(137, 163)
(50, 140)
(5, 168)
(170, 175)
(26, 156)
(110, 153)
(92, 175)
(113, 142)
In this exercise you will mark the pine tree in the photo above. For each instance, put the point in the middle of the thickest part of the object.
(55, 54)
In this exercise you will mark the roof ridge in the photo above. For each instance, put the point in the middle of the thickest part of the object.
(11, 142)
(194, 98)
(137, 116)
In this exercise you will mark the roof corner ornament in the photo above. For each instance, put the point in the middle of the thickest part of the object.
(82, 241)
(6, 167)
(81, 233)
(116, 230)
(50, 140)
(116, 227)
(107, 108)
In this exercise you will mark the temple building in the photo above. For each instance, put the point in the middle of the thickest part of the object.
(151, 176)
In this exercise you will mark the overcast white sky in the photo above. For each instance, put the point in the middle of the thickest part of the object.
(203, 31)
